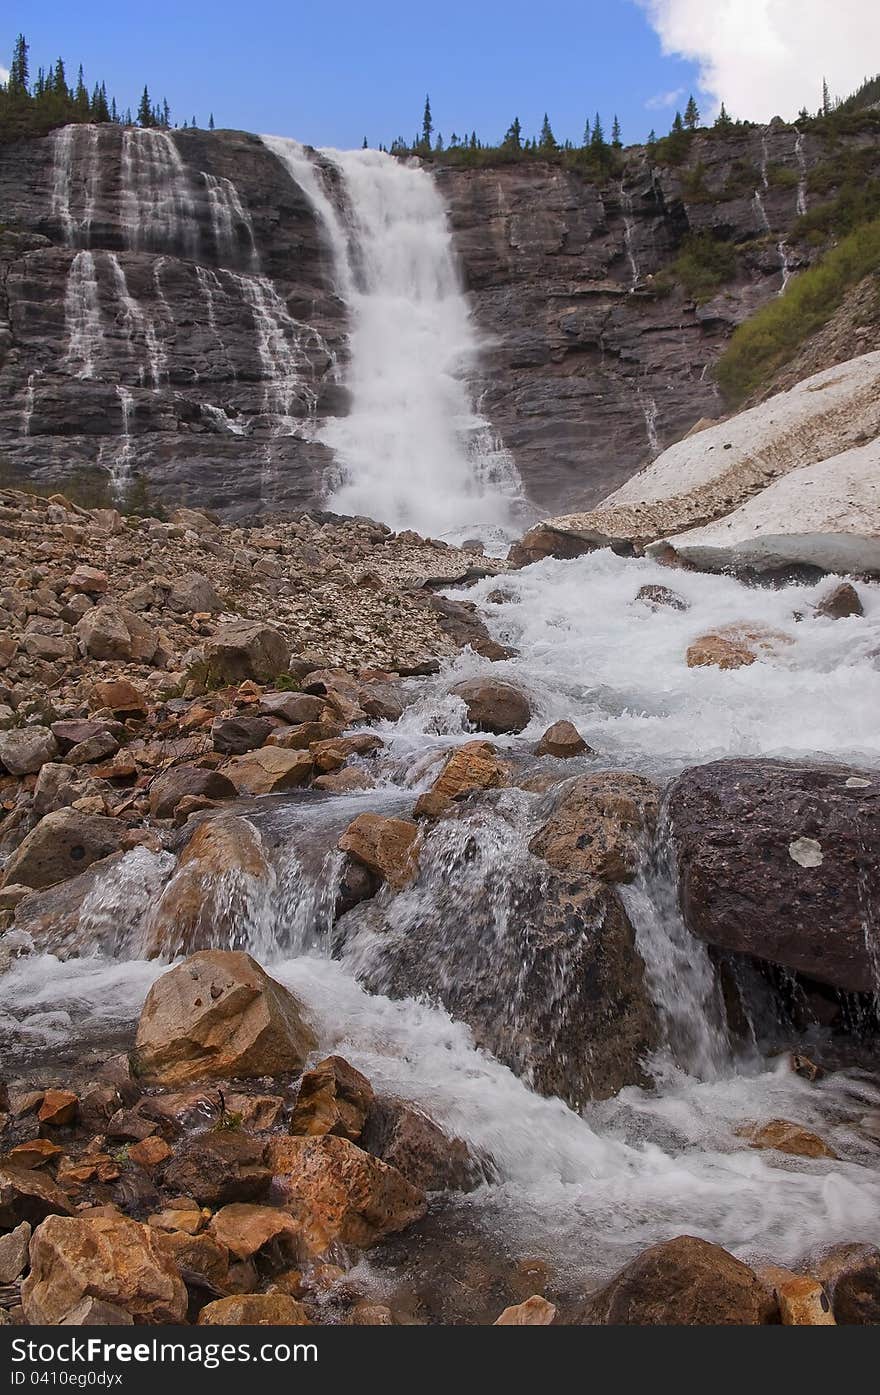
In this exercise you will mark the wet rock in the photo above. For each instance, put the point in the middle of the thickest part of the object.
(370, 1315)
(149, 1152)
(220, 1167)
(304, 735)
(840, 602)
(245, 649)
(332, 755)
(269, 771)
(184, 781)
(474, 766)
(63, 844)
(341, 1194)
(233, 736)
(208, 902)
(24, 750)
(14, 1253)
(108, 1258)
(200, 1260)
(407, 1139)
(219, 1016)
(51, 915)
(333, 1098)
(58, 1109)
(776, 859)
(255, 1310)
(684, 1282)
(244, 1230)
(534, 1312)
(850, 1275)
(294, 708)
(801, 1299)
(493, 705)
(381, 701)
(344, 782)
(562, 740)
(735, 646)
(786, 1137)
(31, 1196)
(387, 847)
(600, 826)
(661, 598)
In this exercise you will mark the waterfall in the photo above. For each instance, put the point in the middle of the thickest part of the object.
(413, 451)
(140, 332)
(281, 346)
(229, 220)
(82, 316)
(802, 171)
(758, 200)
(121, 468)
(158, 211)
(627, 203)
(75, 148)
(29, 400)
(648, 407)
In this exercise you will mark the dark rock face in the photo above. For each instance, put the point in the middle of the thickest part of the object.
(684, 1282)
(194, 339)
(779, 860)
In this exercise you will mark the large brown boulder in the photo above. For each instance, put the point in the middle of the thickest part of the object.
(340, 1194)
(387, 847)
(333, 1098)
(562, 740)
(182, 781)
(245, 649)
(600, 826)
(109, 1258)
(473, 766)
(270, 770)
(735, 646)
(406, 1138)
(850, 1274)
(63, 844)
(245, 1229)
(254, 1310)
(684, 1282)
(778, 859)
(26, 1195)
(209, 902)
(219, 1015)
(493, 705)
(220, 1167)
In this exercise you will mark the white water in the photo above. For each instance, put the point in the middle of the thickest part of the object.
(802, 172)
(138, 328)
(648, 406)
(158, 210)
(120, 471)
(30, 394)
(627, 203)
(82, 316)
(228, 215)
(413, 451)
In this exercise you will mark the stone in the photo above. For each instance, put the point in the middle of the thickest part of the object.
(600, 826)
(332, 755)
(63, 844)
(245, 649)
(684, 1282)
(735, 646)
(562, 740)
(14, 1253)
(194, 592)
(493, 705)
(246, 1229)
(201, 1261)
(233, 736)
(304, 735)
(111, 632)
(108, 1258)
(333, 1098)
(95, 748)
(406, 1138)
(34, 1152)
(182, 781)
(254, 1310)
(801, 1299)
(387, 847)
(294, 708)
(775, 859)
(31, 1196)
(208, 902)
(473, 766)
(268, 771)
(840, 602)
(534, 1312)
(786, 1137)
(24, 750)
(92, 1312)
(218, 1015)
(90, 581)
(344, 782)
(149, 1152)
(850, 1275)
(340, 1194)
(118, 695)
(59, 1108)
(219, 1167)
(661, 598)
(370, 1315)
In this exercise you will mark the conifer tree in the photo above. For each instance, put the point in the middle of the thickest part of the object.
(81, 96)
(652, 138)
(547, 143)
(691, 114)
(211, 126)
(59, 81)
(145, 110)
(18, 70)
(616, 141)
(826, 99)
(597, 136)
(722, 120)
(678, 124)
(513, 139)
(166, 114)
(365, 146)
(427, 125)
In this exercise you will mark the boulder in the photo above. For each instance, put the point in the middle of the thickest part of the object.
(777, 859)
(661, 598)
(850, 1275)
(233, 736)
(493, 705)
(119, 696)
(182, 781)
(210, 901)
(333, 1098)
(474, 766)
(269, 771)
(52, 915)
(92, 1312)
(59, 1108)
(95, 748)
(600, 826)
(219, 1167)
(254, 1310)
(407, 1139)
(26, 1195)
(106, 1257)
(219, 1015)
(562, 740)
(294, 708)
(245, 649)
(194, 592)
(24, 750)
(734, 646)
(534, 1312)
(801, 1299)
(14, 1253)
(63, 844)
(684, 1282)
(344, 782)
(201, 1261)
(840, 602)
(332, 755)
(387, 847)
(112, 632)
(88, 581)
(245, 1229)
(340, 1194)
(786, 1137)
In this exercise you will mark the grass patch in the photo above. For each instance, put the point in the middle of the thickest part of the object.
(704, 264)
(771, 338)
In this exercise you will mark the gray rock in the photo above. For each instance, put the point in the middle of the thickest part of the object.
(235, 735)
(24, 750)
(63, 844)
(194, 592)
(245, 649)
(170, 788)
(14, 1253)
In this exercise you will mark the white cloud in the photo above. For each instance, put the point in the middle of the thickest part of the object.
(766, 58)
(661, 100)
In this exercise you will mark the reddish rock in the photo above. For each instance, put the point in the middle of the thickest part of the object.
(334, 1098)
(255, 1310)
(387, 847)
(684, 1282)
(562, 740)
(493, 705)
(59, 1107)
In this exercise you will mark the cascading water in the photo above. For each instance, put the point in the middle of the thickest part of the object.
(82, 315)
(801, 207)
(30, 394)
(648, 407)
(782, 250)
(158, 210)
(627, 204)
(140, 332)
(413, 449)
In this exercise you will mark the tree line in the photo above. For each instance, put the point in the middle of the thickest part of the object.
(34, 106)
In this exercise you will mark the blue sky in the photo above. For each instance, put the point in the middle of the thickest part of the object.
(331, 74)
